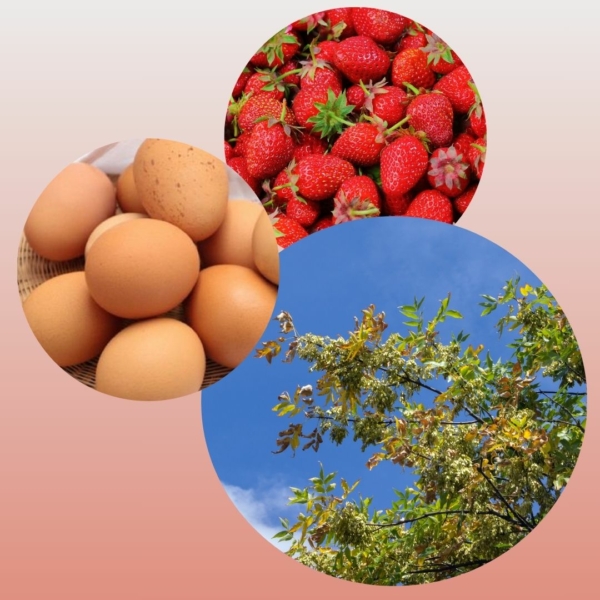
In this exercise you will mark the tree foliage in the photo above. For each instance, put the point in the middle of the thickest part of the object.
(491, 443)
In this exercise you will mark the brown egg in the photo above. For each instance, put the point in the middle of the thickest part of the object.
(182, 185)
(155, 359)
(67, 323)
(265, 249)
(127, 195)
(76, 201)
(141, 268)
(231, 244)
(229, 309)
(109, 223)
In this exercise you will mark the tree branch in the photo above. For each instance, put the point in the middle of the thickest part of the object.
(504, 501)
(389, 421)
(562, 392)
(576, 424)
(448, 512)
(447, 567)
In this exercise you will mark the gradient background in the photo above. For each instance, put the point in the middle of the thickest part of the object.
(102, 498)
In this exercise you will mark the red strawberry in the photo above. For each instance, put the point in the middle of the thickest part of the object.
(308, 23)
(340, 22)
(325, 50)
(476, 156)
(320, 111)
(309, 144)
(449, 172)
(305, 212)
(455, 85)
(304, 103)
(395, 205)
(241, 143)
(360, 144)
(382, 26)
(477, 122)
(319, 177)
(441, 58)
(414, 38)
(262, 105)
(433, 205)
(318, 73)
(240, 84)
(388, 104)
(410, 66)
(263, 79)
(229, 151)
(283, 186)
(462, 202)
(476, 114)
(277, 51)
(239, 165)
(357, 198)
(270, 148)
(356, 96)
(322, 223)
(432, 113)
(287, 231)
(462, 142)
(359, 58)
(293, 79)
(402, 164)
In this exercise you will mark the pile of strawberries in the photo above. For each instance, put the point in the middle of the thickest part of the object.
(353, 113)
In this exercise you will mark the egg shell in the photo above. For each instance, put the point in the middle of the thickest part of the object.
(67, 322)
(231, 244)
(182, 185)
(154, 359)
(265, 250)
(127, 195)
(142, 268)
(229, 309)
(109, 223)
(73, 204)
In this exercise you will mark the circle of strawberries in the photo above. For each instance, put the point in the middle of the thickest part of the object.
(354, 113)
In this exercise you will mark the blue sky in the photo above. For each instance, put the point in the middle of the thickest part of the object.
(326, 280)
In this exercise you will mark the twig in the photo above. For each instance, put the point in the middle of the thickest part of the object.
(389, 421)
(447, 567)
(504, 501)
(576, 424)
(447, 512)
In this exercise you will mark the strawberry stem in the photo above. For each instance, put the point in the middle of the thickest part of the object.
(365, 213)
(397, 125)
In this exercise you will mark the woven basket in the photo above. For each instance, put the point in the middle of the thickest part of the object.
(33, 270)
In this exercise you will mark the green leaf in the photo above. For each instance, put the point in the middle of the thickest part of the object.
(454, 314)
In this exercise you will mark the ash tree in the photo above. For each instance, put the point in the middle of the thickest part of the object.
(491, 443)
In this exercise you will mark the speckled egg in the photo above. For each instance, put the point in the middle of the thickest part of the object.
(182, 185)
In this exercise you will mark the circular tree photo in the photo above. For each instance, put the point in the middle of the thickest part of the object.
(431, 437)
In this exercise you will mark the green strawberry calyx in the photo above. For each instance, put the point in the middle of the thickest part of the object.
(477, 107)
(273, 49)
(332, 115)
(437, 50)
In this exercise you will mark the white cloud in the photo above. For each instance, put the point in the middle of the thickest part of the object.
(262, 507)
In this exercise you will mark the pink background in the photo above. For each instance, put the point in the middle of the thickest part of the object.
(103, 498)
